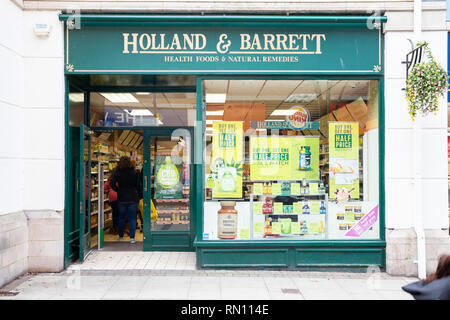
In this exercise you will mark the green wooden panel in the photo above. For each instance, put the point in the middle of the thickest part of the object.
(243, 258)
(339, 257)
(356, 259)
(171, 241)
(230, 47)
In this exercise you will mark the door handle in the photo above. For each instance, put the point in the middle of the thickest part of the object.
(145, 183)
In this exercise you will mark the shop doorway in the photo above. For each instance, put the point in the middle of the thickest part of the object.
(168, 188)
(163, 159)
(148, 121)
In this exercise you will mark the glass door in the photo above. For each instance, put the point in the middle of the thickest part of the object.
(84, 187)
(167, 190)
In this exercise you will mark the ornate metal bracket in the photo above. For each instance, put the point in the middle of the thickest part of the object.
(413, 57)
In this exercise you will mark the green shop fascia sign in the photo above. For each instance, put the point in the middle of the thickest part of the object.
(219, 48)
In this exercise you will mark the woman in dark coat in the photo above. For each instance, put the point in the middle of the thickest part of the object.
(436, 286)
(126, 182)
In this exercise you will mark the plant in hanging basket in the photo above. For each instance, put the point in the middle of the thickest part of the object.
(426, 82)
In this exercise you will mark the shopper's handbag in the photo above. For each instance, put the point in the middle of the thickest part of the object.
(154, 214)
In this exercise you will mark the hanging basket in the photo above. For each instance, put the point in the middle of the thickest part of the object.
(426, 82)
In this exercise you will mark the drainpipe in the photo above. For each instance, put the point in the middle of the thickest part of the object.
(417, 142)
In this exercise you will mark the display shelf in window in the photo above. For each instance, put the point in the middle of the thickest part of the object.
(294, 216)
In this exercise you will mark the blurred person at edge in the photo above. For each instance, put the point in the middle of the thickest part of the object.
(126, 182)
(436, 286)
(112, 197)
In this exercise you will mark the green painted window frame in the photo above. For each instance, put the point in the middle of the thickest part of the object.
(139, 19)
(201, 118)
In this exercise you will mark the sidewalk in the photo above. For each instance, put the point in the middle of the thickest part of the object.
(172, 275)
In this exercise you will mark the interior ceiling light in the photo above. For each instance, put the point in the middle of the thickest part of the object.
(143, 93)
(281, 112)
(76, 97)
(301, 97)
(140, 112)
(211, 121)
(216, 97)
(215, 113)
(119, 97)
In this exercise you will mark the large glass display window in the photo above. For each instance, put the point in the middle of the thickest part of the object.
(291, 159)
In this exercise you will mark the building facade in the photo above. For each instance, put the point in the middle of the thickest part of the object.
(403, 162)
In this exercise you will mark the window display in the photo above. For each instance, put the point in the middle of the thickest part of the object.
(291, 159)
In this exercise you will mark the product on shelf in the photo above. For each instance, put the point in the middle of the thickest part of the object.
(227, 220)
(267, 207)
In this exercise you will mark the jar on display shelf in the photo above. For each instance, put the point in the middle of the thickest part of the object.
(227, 220)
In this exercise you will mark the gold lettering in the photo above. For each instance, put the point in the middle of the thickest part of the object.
(305, 36)
(281, 40)
(143, 37)
(245, 41)
(292, 41)
(175, 42)
(318, 38)
(163, 35)
(126, 42)
(154, 47)
(268, 41)
(256, 43)
(189, 41)
(199, 36)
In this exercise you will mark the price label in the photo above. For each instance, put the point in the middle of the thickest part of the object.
(276, 227)
(278, 207)
(313, 188)
(313, 227)
(244, 233)
(315, 207)
(295, 188)
(276, 188)
(258, 228)
(258, 188)
(297, 207)
(349, 216)
(295, 227)
(257, 207)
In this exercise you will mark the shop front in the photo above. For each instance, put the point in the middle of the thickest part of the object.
(260, 138)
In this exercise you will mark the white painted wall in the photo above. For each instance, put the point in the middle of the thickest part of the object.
(399, 174)
(44, 113)
(11, 108)
(32, 111)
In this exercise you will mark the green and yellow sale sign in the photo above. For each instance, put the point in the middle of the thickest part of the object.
(344, 160)
(284, 158)
(226, 162)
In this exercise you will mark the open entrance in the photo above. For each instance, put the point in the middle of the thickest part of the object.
(152, 125)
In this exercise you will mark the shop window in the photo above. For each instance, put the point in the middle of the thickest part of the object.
(130, 109)
(291, 159)
(76, 109)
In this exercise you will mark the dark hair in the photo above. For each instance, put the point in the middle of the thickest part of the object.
(442, 270)
(125, 163)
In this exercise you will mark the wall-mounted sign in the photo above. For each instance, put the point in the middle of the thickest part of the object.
(281, 124)
(168, 177)
(226, 162)
(225, 48)
(344, 160)
(284, 158)
(298, 118)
